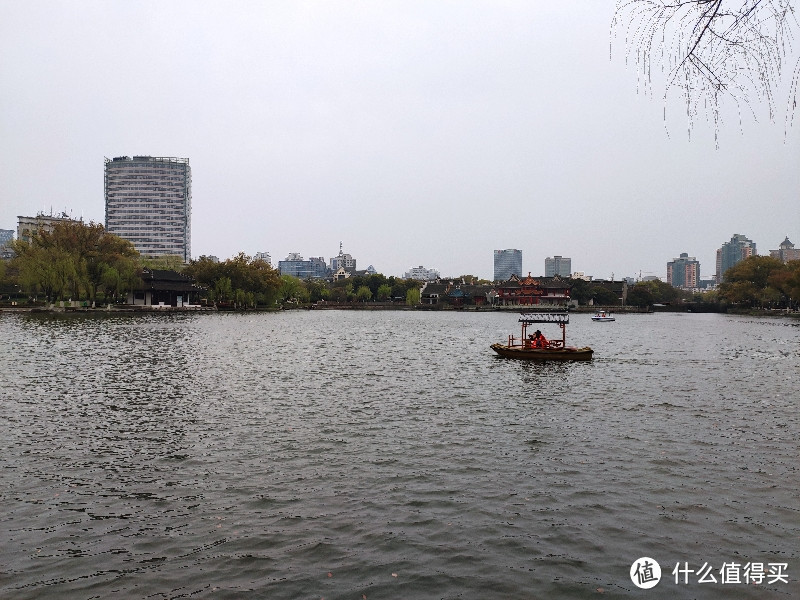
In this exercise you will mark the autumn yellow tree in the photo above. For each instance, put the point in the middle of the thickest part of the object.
(755, 282)
(787, 282)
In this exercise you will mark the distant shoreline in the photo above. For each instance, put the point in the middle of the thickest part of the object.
(374, 306)
(369, 306)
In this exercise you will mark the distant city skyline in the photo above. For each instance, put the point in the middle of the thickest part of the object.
(418, 133)
(724, 249)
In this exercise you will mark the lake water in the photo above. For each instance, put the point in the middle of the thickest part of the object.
(348, 454)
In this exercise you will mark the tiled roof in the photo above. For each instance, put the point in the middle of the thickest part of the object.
(168, 281)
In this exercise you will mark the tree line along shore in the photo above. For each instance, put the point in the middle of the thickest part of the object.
(82, 265)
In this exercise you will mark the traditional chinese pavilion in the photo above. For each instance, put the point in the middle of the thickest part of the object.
(166, 288)
(455, 293)
(529, 290)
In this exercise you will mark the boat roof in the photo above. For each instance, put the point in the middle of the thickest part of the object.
(544, 317)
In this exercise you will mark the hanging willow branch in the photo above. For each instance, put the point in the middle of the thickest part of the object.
(711, 50)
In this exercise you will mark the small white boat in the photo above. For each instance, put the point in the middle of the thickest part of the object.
(602, 315)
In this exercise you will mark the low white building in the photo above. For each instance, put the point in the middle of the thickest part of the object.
(28, 226)
(422, 274)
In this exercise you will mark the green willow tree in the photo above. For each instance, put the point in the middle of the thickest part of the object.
(363, 294)
(255, 278)
(317, 291)
(223, 290)
(75, 260)
(401, 287)
(292, 290)
(116, 281)
(51, 272)
(384, 292)
(342, 291)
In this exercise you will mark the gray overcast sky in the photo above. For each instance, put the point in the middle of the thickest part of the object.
(417, 133)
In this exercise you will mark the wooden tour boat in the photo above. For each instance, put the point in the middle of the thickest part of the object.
(554, 350)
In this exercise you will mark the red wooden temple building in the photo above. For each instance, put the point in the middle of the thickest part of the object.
(529, 290)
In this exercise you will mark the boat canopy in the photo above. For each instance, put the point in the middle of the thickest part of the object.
(544, 317)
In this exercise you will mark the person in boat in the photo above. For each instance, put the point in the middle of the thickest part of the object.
(539, 341)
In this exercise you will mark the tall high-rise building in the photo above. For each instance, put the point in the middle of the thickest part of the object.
(732, 252)
(507, 263)
(149, 203)
(683, 272)
(558, 265)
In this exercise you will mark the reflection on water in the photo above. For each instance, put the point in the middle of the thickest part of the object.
(337, 454)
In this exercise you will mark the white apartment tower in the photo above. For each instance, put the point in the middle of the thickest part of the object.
(149, 203)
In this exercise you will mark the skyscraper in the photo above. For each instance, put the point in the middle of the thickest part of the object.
(558, 265)
(149, 203)
(683, 272)
(507, 263)
(732, 252)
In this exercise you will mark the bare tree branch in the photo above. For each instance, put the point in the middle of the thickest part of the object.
(712, 50)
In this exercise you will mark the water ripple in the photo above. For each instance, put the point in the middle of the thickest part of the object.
(337, 455)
